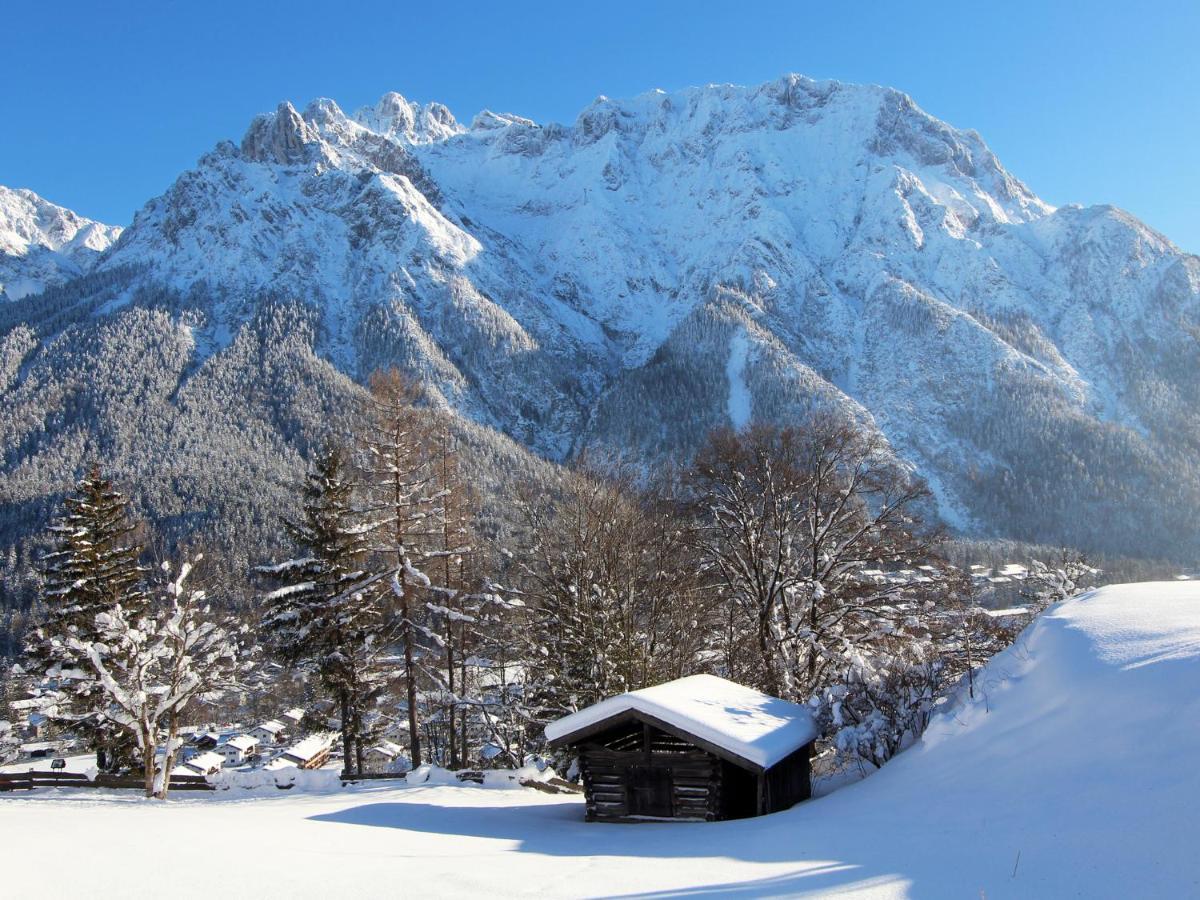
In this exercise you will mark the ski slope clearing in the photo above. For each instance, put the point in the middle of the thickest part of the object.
(1072, 774)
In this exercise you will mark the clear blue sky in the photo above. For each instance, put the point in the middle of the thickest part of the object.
(104, 104)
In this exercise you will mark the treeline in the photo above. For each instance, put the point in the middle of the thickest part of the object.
(790, 559)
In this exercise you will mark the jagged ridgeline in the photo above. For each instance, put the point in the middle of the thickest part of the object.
(663, 265)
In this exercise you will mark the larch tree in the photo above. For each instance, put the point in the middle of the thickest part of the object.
(404, 496)
(451, 602)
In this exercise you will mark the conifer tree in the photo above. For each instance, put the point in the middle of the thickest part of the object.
(93, 568)
(328, 610)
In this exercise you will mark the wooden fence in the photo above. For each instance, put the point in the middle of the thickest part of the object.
(27, 781)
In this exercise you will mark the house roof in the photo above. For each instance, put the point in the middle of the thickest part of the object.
(274, 726)
(388, 748)
(740, 721)
(310, 747)
(242, 742)
(205, 761)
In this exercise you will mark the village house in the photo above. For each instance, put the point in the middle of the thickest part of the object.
(311, 753)
(269, 733)
(205, 740)
(238, 749)
(207, 763)
(385, 756)
(699, 747)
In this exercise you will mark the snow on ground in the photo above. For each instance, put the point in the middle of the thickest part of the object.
(1073, 774)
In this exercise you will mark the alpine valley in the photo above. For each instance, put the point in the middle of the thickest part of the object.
(660, 267)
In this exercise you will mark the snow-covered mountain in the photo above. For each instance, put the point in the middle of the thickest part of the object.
(665, 265)
(42, 244)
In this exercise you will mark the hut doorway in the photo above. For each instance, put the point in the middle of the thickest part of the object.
(650, 791)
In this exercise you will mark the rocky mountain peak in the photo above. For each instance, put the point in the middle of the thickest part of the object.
(282, 137)
(400, 119)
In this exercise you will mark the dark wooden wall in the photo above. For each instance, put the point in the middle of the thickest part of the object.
(638, 770)
(788, 781)
(635, 769)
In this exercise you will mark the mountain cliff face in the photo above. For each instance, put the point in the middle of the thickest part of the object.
(42, 244)
(661, 266)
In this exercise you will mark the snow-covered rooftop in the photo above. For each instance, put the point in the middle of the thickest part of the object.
(205, 761)
(388, 748)
(310, 747)
(274, 726)
(745, 723)
(242, 742)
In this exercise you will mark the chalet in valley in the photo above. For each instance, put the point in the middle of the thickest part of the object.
(311, 753)
(269, 733)
(238, 750)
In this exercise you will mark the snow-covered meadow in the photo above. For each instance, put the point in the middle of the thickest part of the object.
(1072, 774)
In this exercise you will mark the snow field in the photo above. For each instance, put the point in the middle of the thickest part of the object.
(1072, 773)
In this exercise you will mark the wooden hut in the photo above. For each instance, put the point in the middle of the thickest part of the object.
(696, 748)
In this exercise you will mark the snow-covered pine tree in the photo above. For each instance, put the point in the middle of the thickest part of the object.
(10, 742)
(329, 610)
(93, 568)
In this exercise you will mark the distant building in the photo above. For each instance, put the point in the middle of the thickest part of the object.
(293, 717)
(270, 732)
(386, 757)
(310, 753)
(205, 740)
(207, 763)
(237, 750)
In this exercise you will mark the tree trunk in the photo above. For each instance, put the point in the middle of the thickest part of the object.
(451, 706)
(169, 759)
(358, 744)
(148, 749)
(347, 732)
(410, 676)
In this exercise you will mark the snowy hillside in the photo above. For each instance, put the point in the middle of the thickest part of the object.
(662, 266)
(1072, 774)
(42, 244)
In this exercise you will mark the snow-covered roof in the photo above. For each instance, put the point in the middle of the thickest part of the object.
(295, 714)
(242, 742)
(1010, 611)
(388, 748)
(743, 722)
(310, 747)
(206, 761)
(274, 726)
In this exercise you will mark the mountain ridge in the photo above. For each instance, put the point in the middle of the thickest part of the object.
(44, 244)
(590, 285)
